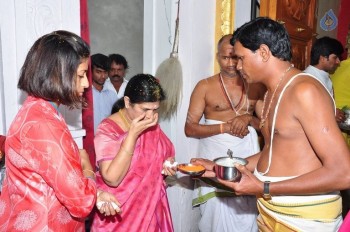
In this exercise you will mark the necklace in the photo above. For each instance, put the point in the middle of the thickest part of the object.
(127, 124)
(263, 118)
(233, 107)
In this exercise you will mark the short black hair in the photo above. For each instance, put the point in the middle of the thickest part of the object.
(325, 46)
(50, 68)
(101, 61)
(264, 30)
(118, 59)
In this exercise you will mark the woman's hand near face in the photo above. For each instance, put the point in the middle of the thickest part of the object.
(122, 161)
(141, 123)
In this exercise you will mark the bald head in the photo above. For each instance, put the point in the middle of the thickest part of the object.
(224, 40)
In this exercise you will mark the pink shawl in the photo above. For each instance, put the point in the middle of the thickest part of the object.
(345, 227)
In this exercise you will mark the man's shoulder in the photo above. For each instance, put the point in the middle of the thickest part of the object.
(110, 92)
(107, 92)
(316, 72)
(108, 84)
(308, 68)
(212, 78)
(205, 86)
(208, 81)
(108, 87)
(305, 85)
(123, 85)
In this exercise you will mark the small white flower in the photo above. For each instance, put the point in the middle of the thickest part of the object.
(25, 220)
(16, 159)
(63, 216)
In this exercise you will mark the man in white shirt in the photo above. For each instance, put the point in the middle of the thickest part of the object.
(118, 68)
(103, 98)
(325, 59)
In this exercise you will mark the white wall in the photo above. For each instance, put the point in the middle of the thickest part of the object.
(242, 15)
(117, 27)
(8, 65)
(21, 23)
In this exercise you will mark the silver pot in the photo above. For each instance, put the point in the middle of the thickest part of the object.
(225, 168)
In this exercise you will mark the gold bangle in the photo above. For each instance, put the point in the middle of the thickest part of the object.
(127, 152)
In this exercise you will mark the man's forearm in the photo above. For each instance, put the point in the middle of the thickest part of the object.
(203, 131)
(254, 122)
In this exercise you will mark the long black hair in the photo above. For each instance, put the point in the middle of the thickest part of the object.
(141, 88)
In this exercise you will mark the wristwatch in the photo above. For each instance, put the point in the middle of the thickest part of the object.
(266, 194)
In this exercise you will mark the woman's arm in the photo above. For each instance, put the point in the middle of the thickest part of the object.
(114, 171)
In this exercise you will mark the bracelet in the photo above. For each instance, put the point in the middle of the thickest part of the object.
(123, 149)
(88, 170)
(89, 177)
(266, 192)
(221, 128)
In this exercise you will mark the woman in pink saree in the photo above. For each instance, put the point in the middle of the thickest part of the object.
(131, 150)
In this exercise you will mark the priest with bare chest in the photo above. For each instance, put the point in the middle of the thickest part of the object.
(226, 103)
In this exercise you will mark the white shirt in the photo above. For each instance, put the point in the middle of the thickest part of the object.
(322, 76)
(103, 102)
(110, 86)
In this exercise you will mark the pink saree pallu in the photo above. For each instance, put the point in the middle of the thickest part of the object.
(345, 226)
(142, 192)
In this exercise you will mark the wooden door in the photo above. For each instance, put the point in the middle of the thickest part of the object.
(298, 16)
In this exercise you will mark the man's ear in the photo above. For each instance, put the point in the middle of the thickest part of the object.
(322, 59)
(264, 52)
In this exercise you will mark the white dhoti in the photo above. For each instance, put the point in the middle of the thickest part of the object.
(220, 211)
